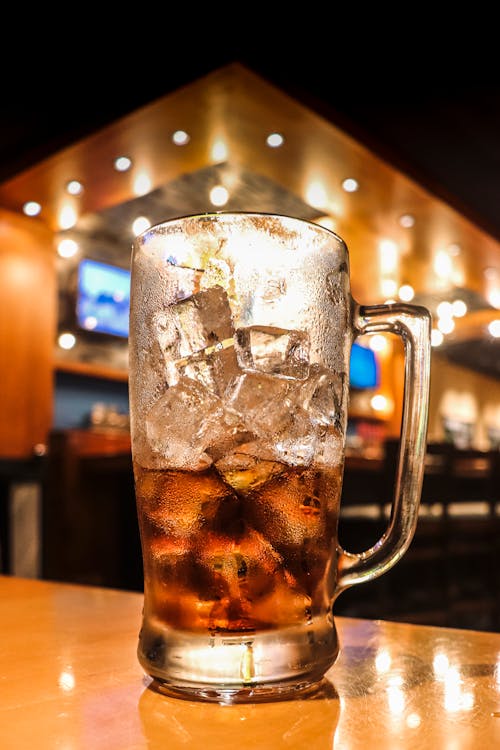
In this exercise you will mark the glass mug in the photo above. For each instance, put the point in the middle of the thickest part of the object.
(241, 327)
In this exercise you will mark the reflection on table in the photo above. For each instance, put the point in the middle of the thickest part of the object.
(70, 679)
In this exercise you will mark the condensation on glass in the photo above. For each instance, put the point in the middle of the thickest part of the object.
(241, 327)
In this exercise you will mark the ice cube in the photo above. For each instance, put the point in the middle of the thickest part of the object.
(322, 396)
(203, 320)
(298, 514)
(337, 284)
(181, 503)
(284, 604)
(226, 439)
(167, 567)
(182, 423)
(258, 563)
(309, 562)
(271, 287)
(164, 328)
(296, 445)
(217, 273)
(168, 340)
(329, 449)
(177, 605)
(294, 506)
(273, 350)
(245, 472)
(239, 563)
(214, 366)
(257, 400)
(171, 558)
(264, 405)
(195, 338)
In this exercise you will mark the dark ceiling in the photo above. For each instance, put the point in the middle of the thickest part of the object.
(424, 93)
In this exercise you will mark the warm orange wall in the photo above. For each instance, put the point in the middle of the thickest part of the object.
(464, 391)
(27, 330)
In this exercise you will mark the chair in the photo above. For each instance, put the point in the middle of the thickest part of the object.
(471, 545)
(90, 523)
(417, 583)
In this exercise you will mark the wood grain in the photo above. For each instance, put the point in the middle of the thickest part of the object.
(27, 333)
(70, 678)
(91, 369)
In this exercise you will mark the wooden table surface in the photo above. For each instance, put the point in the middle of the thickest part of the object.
(69, 680)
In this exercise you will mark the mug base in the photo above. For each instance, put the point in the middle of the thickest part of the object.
(250, 694)
(238, 668)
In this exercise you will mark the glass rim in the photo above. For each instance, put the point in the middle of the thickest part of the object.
(226, 214)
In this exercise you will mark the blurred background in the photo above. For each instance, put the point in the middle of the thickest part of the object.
(391, 141)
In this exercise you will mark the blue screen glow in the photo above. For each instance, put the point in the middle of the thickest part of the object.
(363, 369)
(103, 298)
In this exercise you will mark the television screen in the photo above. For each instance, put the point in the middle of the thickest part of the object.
(363, 369)
(103, 298)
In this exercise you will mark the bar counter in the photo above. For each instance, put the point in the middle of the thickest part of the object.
(69, 679)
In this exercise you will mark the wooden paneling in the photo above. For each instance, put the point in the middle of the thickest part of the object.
(89, 517)
(91, 370)
(472, 396)
(27, 329)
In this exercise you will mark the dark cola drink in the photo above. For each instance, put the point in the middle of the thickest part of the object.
(238, 548)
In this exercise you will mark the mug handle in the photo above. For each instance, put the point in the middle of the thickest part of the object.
(412, 324)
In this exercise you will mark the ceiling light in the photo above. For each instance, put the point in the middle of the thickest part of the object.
(140, 225)
(490, 273)
(413, 721)
(377, 343)
(494, 298)
(350, 185)
(446, 325)
(122, 163)
(66, 340)
(436, 337)
(66, 681)
(494, 328)
(67, 217)
(379, 402)
(445, 310)
(74, 187)
(180, 138)
(407, 221)
(328, 222)
(406, 293)
(275, 140)
(32, 208)
(219, 196)
(67, 248)
(389, 287)
(388, 255)
(383, 660)
(443, 265)
(142, 183)
(459, 308)
(219, 150)
(440, 664)
(90, 322)
(316, 194)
